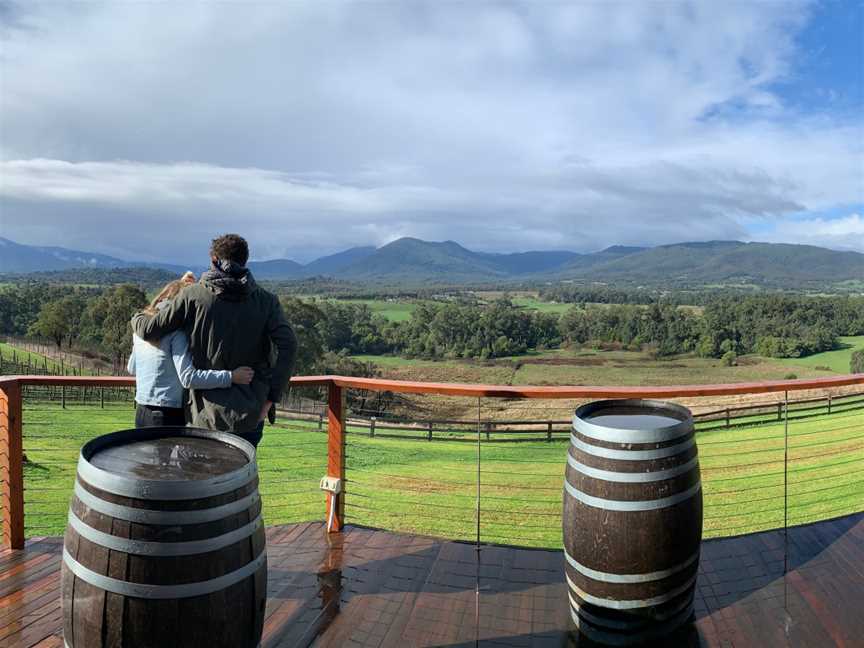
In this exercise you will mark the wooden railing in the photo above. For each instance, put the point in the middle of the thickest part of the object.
(11, 412)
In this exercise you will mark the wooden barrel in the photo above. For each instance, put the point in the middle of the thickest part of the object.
(632, 520)
(165, 542)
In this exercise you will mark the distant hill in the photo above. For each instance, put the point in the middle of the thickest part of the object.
(276, 269)
(336, 262)
(727, 262)
(410, 259)
(18, 258)
(413, 261)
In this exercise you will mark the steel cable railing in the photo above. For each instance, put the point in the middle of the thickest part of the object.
(496, 479)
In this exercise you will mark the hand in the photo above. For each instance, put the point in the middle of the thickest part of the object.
(264, 410)
(242, 375)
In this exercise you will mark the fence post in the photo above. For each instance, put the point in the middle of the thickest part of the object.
(829, 403)
(727, 417)
(779, 411)
(430, 431)
(320, 422)
(63, 396)
(11, 465)
(549, 431)
(336, 453)
(488, 430)
(102, 396)
(372, 427)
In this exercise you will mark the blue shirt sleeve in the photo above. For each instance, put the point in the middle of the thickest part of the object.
(130, 366)
(190, 377)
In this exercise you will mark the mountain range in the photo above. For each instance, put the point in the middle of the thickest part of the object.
(413, 261)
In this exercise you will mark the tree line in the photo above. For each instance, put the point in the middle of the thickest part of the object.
(90, 319)
(331, 331)
(778, 326)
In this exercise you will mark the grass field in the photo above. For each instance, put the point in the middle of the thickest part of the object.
(837, 360)
(430, 487)
(532, 303)
(395, 311)
(576, 366)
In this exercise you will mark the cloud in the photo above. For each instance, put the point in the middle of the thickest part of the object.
(842, 233)
(316, 126)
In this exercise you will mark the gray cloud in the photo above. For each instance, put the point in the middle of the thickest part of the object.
(317, 126)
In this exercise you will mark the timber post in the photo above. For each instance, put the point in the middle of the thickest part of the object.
(336, 453)
(11, 465)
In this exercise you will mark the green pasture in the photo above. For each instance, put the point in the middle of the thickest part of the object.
(532, 303)
(837, 360)
(431, 487)
(394, 311)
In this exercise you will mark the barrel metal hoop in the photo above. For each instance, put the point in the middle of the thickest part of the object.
(142, 590)
(149, 548)
(608, 577)
(630, 604)
(632, 477)
(632, 455)
(613, 639)
(636, 505)
(150, 516)
(636, 624)
(165, 490)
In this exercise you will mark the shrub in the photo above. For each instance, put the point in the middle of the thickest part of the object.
(790, 376)
(856, 362)
(822, 368)
(730, 359)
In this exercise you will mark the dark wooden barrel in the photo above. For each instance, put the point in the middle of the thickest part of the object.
(165, 542)
(632, 520)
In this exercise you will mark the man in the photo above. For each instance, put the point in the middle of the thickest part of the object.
(230, 322)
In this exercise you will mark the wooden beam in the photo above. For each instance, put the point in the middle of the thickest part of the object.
(11, 465)
(497, 391)
(336, 452)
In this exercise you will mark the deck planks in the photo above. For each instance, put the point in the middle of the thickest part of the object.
(367, 587)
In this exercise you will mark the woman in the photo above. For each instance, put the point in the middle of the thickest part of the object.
(164, 369)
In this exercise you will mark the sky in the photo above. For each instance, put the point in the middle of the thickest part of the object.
(143, 129)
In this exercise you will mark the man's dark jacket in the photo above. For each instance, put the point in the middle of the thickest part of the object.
(231, 323)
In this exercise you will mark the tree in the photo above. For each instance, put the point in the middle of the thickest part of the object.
(52, 323)
(856, 362)
(106, 319)
(306, 319)
(59, 320)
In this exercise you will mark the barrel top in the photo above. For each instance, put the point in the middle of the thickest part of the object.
(170, 463)
(171, 458)
(633, 421)
(631, 418)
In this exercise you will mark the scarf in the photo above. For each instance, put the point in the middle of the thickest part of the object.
(229, 279)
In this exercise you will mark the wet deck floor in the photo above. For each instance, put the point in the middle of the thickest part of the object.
(376, 588)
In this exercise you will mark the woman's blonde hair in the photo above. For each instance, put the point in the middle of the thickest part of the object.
(171, 290)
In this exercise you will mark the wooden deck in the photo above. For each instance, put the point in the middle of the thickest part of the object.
(375, 588)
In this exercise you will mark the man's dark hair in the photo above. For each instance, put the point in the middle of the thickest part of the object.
(230, 247)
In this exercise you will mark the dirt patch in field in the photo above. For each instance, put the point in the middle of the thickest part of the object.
(637, 365)
(565, 362)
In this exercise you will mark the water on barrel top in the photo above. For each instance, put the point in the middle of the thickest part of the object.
(632, 418)
(171, 458)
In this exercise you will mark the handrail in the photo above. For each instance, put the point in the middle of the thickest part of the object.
(570, 392)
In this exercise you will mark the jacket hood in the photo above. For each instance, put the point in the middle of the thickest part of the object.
(229, 280)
